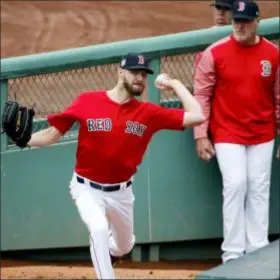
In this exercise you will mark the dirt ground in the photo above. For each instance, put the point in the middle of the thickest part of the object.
(83, 270)
(29, 27)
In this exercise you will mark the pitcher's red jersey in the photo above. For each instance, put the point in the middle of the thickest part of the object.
(113, 137)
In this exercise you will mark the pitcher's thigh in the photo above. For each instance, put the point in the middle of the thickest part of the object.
(90, 206)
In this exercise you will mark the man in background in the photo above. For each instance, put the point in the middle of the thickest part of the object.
(222, 15)
(222, 12)
(237, 85)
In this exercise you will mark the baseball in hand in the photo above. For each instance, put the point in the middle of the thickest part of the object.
(161, 80)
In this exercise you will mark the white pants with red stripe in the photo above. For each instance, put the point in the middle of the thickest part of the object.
(108, 217)
(246, 172)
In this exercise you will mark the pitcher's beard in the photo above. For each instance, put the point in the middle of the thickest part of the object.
(131, 90)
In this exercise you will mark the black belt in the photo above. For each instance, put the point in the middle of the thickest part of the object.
(111, 188)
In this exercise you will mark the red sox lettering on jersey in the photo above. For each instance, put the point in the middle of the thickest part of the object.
(99, 124)
(135, 128)
(105, 124)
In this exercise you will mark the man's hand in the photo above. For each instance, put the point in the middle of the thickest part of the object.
(164, 82)
(205, 149)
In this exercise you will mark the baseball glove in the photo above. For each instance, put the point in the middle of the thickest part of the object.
(17, 121)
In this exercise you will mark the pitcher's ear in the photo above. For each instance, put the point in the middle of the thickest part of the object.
(120, 72)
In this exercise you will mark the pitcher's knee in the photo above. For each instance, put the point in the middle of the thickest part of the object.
(98, 229)
(126, 247)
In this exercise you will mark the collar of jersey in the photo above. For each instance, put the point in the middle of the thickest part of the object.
(130, 102)
(245, 46)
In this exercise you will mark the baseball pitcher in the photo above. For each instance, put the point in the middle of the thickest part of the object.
(115, 130)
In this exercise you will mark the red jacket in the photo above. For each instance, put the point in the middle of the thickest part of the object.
(238, 89)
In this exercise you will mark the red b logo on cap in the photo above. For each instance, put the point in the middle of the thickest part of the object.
(141, 59)
(241, 6)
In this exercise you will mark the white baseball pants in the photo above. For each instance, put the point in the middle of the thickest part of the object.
(246, 174)
(108, 217)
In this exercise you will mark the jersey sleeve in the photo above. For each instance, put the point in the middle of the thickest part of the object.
(204, 82)
(63, 121)
(276, 93)
(197, 59)
(167, 118)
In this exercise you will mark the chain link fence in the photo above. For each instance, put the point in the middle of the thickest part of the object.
(52, 93)
(180, 67)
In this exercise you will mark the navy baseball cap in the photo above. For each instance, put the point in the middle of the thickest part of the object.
(223, 3)
(136, 61)
(248, 10)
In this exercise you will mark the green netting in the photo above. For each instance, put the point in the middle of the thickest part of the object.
(52, 93)
(180, 67)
